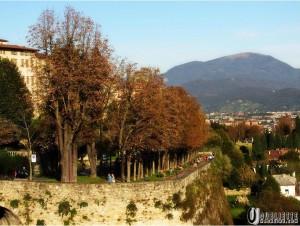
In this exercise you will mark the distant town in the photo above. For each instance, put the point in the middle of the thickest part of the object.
(266, 120)
(90, 138)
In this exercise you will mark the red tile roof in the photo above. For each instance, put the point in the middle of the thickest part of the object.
(16, 47)
(275, 154)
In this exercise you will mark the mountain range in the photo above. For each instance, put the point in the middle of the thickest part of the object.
(240, 82)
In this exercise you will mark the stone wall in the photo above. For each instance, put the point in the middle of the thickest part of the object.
(103, 204)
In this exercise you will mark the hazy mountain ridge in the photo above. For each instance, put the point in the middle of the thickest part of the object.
(256, 78)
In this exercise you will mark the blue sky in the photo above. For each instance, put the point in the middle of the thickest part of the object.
(164, 34)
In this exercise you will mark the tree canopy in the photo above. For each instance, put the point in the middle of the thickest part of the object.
(15, 99)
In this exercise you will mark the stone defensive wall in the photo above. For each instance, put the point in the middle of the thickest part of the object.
(97, 204)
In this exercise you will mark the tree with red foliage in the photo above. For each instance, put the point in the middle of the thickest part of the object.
(73, 76)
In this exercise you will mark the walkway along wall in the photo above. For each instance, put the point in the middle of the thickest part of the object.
(103, 204)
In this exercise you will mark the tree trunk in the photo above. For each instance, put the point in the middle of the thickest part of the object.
(153, 166)
(59, 132)
(134, 170)
(168, 161)
(128, 169)
(142, 169)
(74, 163)
(123, 162)
(139, 170)
(69, 158)
(30, 164)
(158, 164)
(92, 154)
(147, 171)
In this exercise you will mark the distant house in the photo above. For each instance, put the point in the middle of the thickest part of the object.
(274, 155)
(251, 122)
(287, 184)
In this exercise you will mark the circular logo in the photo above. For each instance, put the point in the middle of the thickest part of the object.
(253, 215)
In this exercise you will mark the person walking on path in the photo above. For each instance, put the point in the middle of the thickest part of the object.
(113, 179)
(109, 178)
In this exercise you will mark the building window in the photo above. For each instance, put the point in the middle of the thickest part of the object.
(2, 51)
(22, 63)
(286, 191)
(14, 61)
(13, 53)
(26, 63)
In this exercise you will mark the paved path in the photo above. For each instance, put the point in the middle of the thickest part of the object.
(187, 171)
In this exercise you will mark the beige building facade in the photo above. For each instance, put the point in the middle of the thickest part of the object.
(24, 58)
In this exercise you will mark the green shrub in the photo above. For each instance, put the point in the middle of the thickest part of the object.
(131, 210)
(27, 197)
(176, 199)
(10, 163)
(169, 172)
(166, 207)
(14, 203)
(160, 174)
(40, 222)
(169, 216)
(83, 204)
(42, 203)
(48, 193)
(271, 184)
(73, 212)
(158, 204)
(64, 208)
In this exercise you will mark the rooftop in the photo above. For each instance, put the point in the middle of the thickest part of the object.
(285, 179)
(5, 46)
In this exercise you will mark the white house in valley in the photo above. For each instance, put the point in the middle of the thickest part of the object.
(287, 184)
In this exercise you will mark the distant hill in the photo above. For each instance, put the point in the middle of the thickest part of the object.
(245, 81)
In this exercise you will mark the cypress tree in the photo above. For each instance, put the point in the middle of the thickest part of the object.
(297, 140)
(289, 141)
(15, 100)
(297, 125)
(277, 141)
(258, 148)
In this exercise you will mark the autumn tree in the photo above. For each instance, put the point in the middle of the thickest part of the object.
(153, 123)
(136, 113)
(285, 125)
(242, 131)
(75, 64)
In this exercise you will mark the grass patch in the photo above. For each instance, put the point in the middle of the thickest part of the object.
(90, 180)
(248, 145)
(154, 177)
(236, 211)
(231, 199)
(45, 179)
